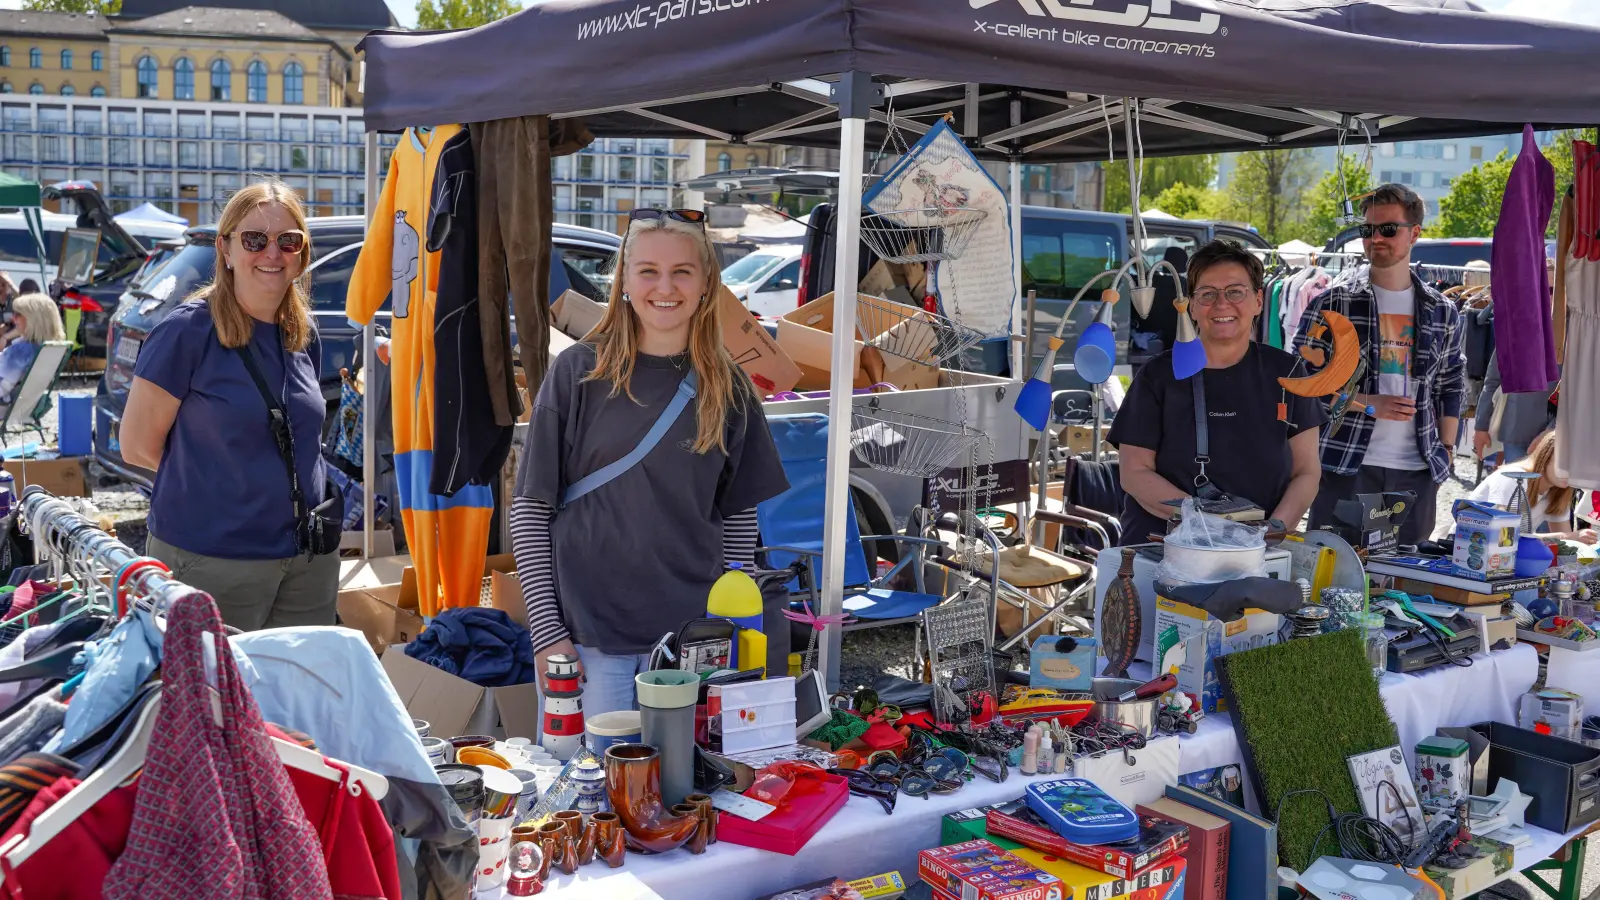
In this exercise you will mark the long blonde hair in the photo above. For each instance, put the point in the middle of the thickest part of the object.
(234, 324)
(1542, 459)
(616, 339)
(42, 317)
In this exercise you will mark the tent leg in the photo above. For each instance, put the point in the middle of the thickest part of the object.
(369, 358)
(1019, 358)
(852, 136)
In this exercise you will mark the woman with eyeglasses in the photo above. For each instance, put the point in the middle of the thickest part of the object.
(620, 528)
(1261, 441)
(222, 513)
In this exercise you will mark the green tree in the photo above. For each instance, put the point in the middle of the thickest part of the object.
(1187, 202)
(1472, 207)
(1155, 176)
(1268, 190)
(1326, 203)
(102, 7)
(456, 13)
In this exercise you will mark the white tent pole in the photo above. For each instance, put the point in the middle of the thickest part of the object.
(853, 91)
(369, 359)
(1018, 352)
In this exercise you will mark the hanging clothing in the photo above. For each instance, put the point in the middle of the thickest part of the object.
(448, 536)
(1519, 278)
(1578, 414)
(469, 443)
(512, 157)
(23, 779)
(216, 815)
(74, 864)
(27, 729)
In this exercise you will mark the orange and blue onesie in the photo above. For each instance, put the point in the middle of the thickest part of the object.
(448, 536)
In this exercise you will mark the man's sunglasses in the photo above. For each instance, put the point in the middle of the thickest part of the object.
(1387, 229)
(692, 216)
(256, 241)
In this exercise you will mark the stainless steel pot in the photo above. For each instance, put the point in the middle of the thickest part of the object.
(1139, 715)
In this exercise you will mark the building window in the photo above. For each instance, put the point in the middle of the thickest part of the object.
(221, 80)
(5, 55)
(97, 91)
(121, 152)
(6, 88)
(1386, 149)
(146, 67)
(1449, 151)
(299, 157)
(294, 83)
(752, 161)
(1386, 177)
(627, 168)
(585, 167)
(97, 61)
(35, 58)
(1408, 178)
(1475, 152)
(327, 161)
(189, 154)
(66, 59)
(659, 171)
(68, 90)
(724, 161)
(36, 88)
(183, 79)
(256, 83)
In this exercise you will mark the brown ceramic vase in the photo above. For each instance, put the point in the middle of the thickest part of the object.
(708, 812)
(609, 838)
(697, 841)
(573, 820)
(633, 785)
(586, 844)
(551, 837)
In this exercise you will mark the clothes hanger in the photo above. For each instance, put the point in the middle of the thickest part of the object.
(56, 664)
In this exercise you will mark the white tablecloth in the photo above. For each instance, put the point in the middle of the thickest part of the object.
(862, 841)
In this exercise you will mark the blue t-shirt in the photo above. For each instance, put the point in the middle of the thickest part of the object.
(222, 489)
(14, 362)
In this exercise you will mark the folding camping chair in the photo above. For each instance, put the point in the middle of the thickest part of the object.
(35, 390)
(792, 532)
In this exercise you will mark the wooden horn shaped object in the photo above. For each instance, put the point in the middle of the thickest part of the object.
(1331, 377)
(1121, 619)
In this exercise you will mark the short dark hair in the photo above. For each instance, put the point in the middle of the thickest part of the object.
(1392, 194)
(1220, 251)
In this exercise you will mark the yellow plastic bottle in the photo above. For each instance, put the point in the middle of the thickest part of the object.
(736, 596)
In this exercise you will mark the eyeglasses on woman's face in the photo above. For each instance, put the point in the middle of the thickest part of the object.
(1235, 294)
(691, 216)
(256, 241)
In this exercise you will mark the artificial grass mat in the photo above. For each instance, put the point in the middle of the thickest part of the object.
(1299, 709)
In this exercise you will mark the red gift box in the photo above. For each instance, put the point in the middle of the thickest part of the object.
(788, 829)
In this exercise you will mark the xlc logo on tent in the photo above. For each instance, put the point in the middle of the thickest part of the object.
(1155, 14)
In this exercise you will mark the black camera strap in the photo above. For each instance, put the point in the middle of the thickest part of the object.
(282, 433)
(1202, 429)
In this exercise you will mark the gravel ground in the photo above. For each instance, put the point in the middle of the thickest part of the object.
(865, 652)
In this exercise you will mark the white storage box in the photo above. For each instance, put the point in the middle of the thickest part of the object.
(754, 715)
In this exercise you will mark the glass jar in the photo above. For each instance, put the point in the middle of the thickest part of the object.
(1377, 643)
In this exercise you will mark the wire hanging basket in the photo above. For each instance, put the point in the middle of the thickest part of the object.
(929, 234)
(904, 443)
(913, 333)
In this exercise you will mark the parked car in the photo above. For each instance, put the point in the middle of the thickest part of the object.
(580, 254)
(1061, 250)
(767, 280)
(124, 252)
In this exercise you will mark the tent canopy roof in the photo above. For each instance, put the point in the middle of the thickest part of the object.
(1217, 75)
(18, 192)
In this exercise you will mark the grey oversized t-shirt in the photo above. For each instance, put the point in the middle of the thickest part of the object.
(637, 557)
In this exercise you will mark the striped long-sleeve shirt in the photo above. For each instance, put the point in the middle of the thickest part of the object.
(530, 541)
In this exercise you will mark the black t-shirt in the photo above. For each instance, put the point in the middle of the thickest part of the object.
(1249, 445)
(636, 557)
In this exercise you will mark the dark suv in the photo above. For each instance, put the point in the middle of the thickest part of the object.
(582, 256)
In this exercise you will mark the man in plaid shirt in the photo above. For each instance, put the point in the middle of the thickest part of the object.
(1400, 426)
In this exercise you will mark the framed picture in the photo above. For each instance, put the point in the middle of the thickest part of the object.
(80, 248)
(1383, 782)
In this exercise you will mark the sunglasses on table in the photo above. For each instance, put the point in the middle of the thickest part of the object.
(1386, 229)
(256, 241)
(692, 216)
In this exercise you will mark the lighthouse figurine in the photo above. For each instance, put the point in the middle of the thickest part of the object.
(563, 708)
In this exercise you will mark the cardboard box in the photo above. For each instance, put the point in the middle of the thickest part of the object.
(456, 706)
(1458, 884)
(1486, 541)
(1080, 438)
(757, 352)
(502, 563)
(376, 613)
(63, 476)
(1204, 640)
(979, 870)
(806, 334)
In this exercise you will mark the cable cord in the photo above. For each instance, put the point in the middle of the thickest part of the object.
(1356, 836)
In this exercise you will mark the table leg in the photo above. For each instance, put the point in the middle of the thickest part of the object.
(1568, 864)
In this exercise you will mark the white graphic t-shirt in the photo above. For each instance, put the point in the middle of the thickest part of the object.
(1394, 443)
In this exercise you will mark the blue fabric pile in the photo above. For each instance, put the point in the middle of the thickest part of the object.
(479, 644)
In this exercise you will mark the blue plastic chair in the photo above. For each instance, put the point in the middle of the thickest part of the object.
(792, 530)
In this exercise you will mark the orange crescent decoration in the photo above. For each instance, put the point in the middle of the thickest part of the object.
(1333, 376)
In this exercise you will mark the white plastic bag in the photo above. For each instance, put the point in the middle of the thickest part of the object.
(1207, 548)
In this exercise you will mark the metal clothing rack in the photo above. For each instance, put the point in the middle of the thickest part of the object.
(74, 545)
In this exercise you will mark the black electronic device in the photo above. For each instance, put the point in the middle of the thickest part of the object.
(1372, 521)
(1418, 647)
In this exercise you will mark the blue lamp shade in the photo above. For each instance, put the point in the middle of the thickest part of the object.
(1096, 353)
(1188, 354)
(1033, 401)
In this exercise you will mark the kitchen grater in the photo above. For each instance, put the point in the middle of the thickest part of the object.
(960, 650)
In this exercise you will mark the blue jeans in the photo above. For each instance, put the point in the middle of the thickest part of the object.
(1513, 452)
(608, 684)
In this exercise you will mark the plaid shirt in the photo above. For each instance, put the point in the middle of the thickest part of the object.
(1438, 365)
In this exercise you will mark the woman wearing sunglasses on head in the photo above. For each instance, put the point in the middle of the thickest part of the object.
(1252, 453)
(223, 513)
(620, 527)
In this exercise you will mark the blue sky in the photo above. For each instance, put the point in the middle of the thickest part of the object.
(405, 11)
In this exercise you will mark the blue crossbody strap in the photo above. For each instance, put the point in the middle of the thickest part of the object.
(594, 480)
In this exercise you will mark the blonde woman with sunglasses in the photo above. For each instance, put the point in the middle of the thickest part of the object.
(613, 562)
(222, 513)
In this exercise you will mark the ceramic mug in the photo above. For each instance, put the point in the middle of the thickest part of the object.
(607, 728)
(471, 740)
(422, 727)
(529, 798)
(439, 751)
